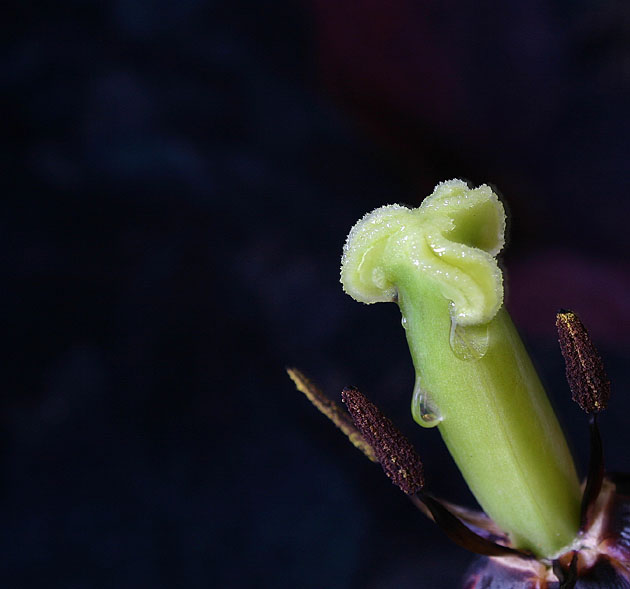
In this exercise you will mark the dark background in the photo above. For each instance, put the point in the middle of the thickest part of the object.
(180, 177)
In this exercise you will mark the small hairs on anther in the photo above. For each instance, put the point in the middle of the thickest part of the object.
(589, 384)
(394, 451)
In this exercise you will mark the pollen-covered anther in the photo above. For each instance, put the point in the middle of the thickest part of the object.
(332, 410)
(586, 375)
(394, 451)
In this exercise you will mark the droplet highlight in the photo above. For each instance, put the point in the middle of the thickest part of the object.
(469, 343)
(423, 408)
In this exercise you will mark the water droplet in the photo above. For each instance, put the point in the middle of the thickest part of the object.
(423, 407)
(469, 343)
(403, 322)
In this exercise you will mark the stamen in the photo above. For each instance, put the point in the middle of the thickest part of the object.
(332, 410)
(590, 389)
(402, 465)
(587, 378)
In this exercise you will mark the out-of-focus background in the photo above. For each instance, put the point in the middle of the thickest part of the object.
(180, 178)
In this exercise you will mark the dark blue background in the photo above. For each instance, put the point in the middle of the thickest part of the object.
(179, 180)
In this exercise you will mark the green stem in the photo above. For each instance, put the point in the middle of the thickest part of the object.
(497, 423)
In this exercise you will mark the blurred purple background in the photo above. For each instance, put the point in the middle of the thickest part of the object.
(180, 180)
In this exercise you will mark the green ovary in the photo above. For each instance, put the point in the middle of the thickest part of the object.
(474, 377)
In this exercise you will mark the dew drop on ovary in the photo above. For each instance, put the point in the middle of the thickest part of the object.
(423, 407)
(469, 343)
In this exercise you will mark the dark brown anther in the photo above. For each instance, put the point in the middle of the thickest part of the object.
(394, 451)
(587, 378)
